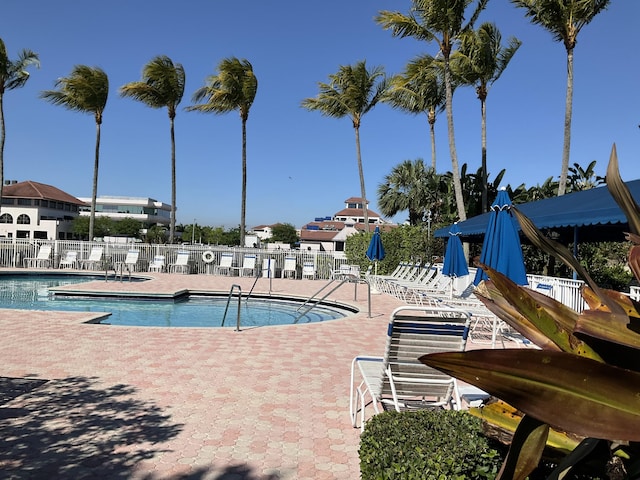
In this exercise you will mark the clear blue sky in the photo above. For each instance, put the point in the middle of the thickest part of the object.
(300, 164)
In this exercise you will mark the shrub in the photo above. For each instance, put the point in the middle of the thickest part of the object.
(427, 444)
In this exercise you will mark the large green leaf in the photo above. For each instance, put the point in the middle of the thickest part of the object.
(621, 194)
(525, 451)
(567, 391)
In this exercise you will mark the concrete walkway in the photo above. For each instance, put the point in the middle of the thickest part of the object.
(82, 400)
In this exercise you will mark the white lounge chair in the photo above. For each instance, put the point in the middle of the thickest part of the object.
(225, 265)
(157, 264)
(94, 261)
(398, 380)
(41, 260)
(130, 263)
(290, 268)
(248, 268)
(70, 260)
(309, 270)
(182, 263)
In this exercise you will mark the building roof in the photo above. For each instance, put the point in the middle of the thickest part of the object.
(30, 189)
(356, 212)
(355, 200)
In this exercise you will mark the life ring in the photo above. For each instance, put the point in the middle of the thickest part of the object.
(208, 256)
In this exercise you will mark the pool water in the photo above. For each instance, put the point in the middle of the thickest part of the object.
(32, 293)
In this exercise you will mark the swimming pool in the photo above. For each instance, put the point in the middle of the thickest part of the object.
(32, 292)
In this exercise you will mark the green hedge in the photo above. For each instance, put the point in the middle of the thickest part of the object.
(427, 445)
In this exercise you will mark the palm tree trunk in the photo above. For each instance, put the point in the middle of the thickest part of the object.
(567, 125)
(432, 134)
(2, 136)
(243, 208)
(172, 223)
(457, 185)
(363, 192)
(483, 112)
(94, 190)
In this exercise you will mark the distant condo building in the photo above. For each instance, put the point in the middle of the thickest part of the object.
(147, 211)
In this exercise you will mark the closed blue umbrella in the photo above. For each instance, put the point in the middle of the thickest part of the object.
(375, 252)
(501, 249)
(455, 262)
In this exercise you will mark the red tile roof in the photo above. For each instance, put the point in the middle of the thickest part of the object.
(42, 191)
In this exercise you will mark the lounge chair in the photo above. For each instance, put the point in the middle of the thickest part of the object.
(290, 268)
(70, 260)
(309, 270)
(130, 262)
(157, 264)
(248, 268)
(182, 263)
(225, 265)
(41, 260)
(398, 380)
(94, 261)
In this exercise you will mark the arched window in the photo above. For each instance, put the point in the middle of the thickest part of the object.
(24, 219)
(6, 218)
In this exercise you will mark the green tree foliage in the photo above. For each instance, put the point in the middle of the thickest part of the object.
(285, 233)
(128, 226)
(233, 88)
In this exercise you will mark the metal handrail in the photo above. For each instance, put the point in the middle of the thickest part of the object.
(233, 287)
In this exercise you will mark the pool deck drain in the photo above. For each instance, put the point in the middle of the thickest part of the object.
(171, 403)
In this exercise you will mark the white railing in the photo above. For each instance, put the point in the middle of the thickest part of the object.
(634, 292)
(14, 251)
(565, 290)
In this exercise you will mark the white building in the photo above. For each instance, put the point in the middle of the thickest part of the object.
(37, 211)
(146, 210)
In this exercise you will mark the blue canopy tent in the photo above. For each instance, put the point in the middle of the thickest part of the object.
(375, 252)
(501, 249)
(588, 215)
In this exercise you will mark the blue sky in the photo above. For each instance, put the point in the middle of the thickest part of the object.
(300, 164)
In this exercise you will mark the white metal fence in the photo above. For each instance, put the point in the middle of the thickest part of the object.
(565, 290)
(14, 251)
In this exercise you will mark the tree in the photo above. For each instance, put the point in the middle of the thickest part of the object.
(85, 90)
(420, 90)
(13, 74)
(162, 85)
(285, 233)
(584, 178)
(353, 91)
(410, 187)
(480, 61)
(440, 21)
(234, 87)
(563, 19)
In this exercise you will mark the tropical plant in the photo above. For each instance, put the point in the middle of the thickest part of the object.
(440, 21)
(480, 60)
(285, 233)
(85, 90)
(13, 74)
(234, 87)
(420, 90)
(585, 377)
(563, 19)
(583, 178)
(352, 92)
(410, 187)
(162, 85)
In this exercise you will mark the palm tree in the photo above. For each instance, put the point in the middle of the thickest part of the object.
(420, 90)
(234, 87)
(440, 21)
(352, 92)
(410, 187)
(162, 85)
(13, 74)
(563, 19)
(85, 90)
(480, 61)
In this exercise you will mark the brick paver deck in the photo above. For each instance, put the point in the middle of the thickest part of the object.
(81, 400)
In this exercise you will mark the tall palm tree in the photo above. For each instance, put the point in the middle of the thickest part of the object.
(162, 85)
(13, 74)
(234, 87)
(480, 61)
(563, 19)
(352, 92)
(440, 21)
(410, 187)
(420, 90)
(85, 90)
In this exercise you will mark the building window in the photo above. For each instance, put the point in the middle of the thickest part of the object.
(24, 219)
(6, 218)
(24, 201)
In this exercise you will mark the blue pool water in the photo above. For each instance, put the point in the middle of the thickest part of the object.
(32, 293)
